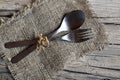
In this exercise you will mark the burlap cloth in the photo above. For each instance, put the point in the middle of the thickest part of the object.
(44, 16)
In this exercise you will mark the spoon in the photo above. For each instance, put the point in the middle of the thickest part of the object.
(71, 21)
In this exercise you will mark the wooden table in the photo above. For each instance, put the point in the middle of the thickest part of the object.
(99, 65)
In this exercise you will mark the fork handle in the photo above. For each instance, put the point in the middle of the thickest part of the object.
(20, 43)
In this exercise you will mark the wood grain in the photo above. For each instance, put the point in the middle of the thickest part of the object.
(8, 7)
(107, 8)
(101, 64)
(13, 5)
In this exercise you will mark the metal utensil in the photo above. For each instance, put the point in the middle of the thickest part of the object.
(71, 21)
(76, 36)
(79, 35)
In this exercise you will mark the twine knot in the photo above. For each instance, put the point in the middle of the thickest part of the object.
(43, 40)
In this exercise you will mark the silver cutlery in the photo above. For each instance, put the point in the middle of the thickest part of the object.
(71, 21)
(70, 24)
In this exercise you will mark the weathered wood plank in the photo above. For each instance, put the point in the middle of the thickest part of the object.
(14, 4)
(8, 7)
(112, 21)
(7, 13)
(106, 8)
(104, 13)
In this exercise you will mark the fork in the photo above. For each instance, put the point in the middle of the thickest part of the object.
(75, 36)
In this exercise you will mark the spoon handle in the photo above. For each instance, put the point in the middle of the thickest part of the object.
(20, 43)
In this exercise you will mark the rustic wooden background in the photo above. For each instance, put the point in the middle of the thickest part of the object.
(104, 65)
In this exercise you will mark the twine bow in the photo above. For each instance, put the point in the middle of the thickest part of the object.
(43, 40)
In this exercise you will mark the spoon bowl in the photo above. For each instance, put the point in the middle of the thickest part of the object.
(75, 19)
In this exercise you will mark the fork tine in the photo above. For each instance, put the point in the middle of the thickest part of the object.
(83, 39)
(84, 35)
(83, 30)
